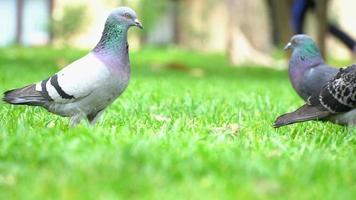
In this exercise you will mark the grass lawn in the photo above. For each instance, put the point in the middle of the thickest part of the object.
(189, 126)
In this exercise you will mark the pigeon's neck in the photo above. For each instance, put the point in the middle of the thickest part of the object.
(308, 55)
(113, 41)
(301, 62)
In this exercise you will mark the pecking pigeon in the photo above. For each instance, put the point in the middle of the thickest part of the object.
(335, 102)
(86, 87)
(307, 69)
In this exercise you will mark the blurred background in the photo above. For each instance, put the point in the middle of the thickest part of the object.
(196, 119)
(246, 31)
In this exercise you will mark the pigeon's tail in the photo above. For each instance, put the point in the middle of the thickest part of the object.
(25, 96)
(302, 114)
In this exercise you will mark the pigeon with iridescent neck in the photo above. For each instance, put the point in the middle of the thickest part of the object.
(307, 69)
(329, 93)
(86, 87)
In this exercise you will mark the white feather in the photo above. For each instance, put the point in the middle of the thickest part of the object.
(80, 78)
(38, 87)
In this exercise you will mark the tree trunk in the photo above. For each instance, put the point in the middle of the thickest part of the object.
(239, 47)
(50, 13)
(231, 4)
(321, 13)
(175, 6)
(280, 13)
(19, 15)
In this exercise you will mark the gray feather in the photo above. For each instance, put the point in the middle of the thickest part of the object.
(339, 95)
(302, 114)
(25, 96)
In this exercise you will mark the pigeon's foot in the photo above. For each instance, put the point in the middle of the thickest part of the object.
(75, 120)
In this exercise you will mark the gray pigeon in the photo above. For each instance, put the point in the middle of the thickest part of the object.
(335, 102)
(87, 86)
(307, 69)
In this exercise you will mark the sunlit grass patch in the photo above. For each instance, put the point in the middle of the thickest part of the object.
(174, 134)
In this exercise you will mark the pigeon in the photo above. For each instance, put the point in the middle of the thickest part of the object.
(307, 70)
(336, 102)
(86, 87)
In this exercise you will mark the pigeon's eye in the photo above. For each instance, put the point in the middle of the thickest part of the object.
(127, 16)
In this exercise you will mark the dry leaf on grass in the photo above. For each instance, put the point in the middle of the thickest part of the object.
(161, 118)
(231, 129)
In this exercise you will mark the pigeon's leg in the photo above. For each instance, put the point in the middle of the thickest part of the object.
(93, 117)
(75, 120)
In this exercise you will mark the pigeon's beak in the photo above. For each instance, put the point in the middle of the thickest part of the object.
(288, 46)
(138, 23)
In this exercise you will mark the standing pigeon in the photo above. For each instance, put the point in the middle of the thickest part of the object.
(86, 87)
(335, 102)
(307, 69)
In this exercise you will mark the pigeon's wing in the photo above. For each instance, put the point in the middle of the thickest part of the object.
(302, 114)
(75, 81)
(315, 79)
(339, 94)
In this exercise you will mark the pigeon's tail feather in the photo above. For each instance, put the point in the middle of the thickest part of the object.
(302, 114)
(25, 96)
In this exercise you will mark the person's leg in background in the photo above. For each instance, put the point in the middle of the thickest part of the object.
(299, 10)
(343, 37)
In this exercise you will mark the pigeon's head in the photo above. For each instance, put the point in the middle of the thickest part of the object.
(304, 43)
(125, 16)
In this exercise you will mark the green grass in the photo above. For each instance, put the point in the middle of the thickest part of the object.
(189, 126)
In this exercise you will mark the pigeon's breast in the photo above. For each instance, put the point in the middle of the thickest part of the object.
(119, 68)
(110, 89)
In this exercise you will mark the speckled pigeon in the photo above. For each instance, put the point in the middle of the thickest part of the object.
(86, 87)
(307, 69)
(335, 102)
